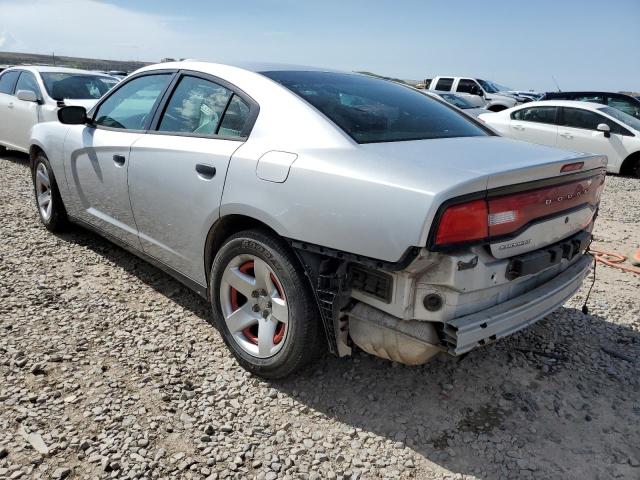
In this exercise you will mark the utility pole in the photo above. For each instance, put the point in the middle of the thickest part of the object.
(53, 58)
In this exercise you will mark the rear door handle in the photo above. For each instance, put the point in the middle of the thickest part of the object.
(566, 135)
(10, 105)
(119, 159)
(206, 172)
(518, 127)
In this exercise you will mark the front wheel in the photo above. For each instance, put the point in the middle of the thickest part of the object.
(48, 200)
(263, 305)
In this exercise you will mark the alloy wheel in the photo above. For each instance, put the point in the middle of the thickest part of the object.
(254, 306)
(43, 191)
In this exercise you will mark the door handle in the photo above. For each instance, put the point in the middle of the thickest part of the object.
(119, 159)
(10, 105)
(206, 172)
(566, 135)
(518, 127)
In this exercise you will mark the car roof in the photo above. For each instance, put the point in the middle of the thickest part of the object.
(589, 92)
(52, 69)
(564, 103)
(255, 67)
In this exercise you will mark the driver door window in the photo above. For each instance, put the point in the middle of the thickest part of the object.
(28, 82)
(468, 86)
(130, 106)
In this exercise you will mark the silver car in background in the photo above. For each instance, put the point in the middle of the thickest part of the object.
(319, 209)
(30, 95)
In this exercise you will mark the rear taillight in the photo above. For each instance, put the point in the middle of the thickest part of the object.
(463, 223)
(502, 215)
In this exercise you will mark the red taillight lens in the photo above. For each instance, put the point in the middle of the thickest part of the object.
(463, 222)
(502, 215)
(510, 212)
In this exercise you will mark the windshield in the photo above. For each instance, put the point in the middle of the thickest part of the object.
(619, 115)
(457, 101)
(371, 110)
(488, 86)
(72, 86)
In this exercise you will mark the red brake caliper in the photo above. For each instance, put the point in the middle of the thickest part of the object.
(251, 333)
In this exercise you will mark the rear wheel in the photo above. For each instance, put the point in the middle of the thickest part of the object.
(48, 200)
(263, 306)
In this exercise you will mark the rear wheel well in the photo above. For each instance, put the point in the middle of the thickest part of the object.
(34, 151)
(631, 165)
(224, 228)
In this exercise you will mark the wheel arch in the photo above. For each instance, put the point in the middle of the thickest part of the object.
(34, 150)
(627, 165)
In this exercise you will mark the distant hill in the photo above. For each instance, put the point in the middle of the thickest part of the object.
(11, 58)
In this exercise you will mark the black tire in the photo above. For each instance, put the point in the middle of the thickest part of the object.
(58, 220)
(634, 168)
(305, 340)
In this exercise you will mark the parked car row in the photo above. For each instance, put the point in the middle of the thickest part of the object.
(323, 210)
(30, 95)
(578, 126)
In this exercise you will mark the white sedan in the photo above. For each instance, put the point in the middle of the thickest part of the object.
(578, 126)
(30, 95)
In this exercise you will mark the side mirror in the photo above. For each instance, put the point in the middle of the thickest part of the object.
(603, 127)
(72, 115)
(27, 96)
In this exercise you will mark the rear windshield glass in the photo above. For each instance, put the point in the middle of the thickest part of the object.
(61, 86)
(371, 110)
(457, 101)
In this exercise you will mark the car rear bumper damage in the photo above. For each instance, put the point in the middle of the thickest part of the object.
(414, 342)
(470, 331)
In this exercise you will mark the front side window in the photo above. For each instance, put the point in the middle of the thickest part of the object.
(444, 84)
(129, 107)
(71, 86)
(467, 86)
(488, 86)
(536, 114)
(196, 106)
(27, 81)
(585, 119)
(8, 81)
(625, 105)
(372, 110)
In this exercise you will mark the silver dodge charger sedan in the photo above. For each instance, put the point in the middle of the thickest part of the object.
(318, 209)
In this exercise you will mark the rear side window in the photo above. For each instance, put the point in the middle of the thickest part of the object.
(536, 114)
(8, 81)
(444, 84)
(372, 110)
(235, 118)
(196, 107)
(129, 107)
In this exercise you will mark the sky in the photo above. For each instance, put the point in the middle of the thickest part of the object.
(584, 44)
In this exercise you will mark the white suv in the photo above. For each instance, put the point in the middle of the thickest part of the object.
(483, 93)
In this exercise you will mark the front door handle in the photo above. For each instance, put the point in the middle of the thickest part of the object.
(566, 135)
(206, 172)
(119, 159)
(518, 127)
(10, 105)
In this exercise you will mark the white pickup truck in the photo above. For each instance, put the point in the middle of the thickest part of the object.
(483, 93)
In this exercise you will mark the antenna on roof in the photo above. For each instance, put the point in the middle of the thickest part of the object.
(554, 81)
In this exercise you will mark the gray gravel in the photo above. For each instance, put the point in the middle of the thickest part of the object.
(110, 370)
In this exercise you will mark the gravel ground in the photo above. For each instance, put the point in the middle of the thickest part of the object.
(110, 370)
